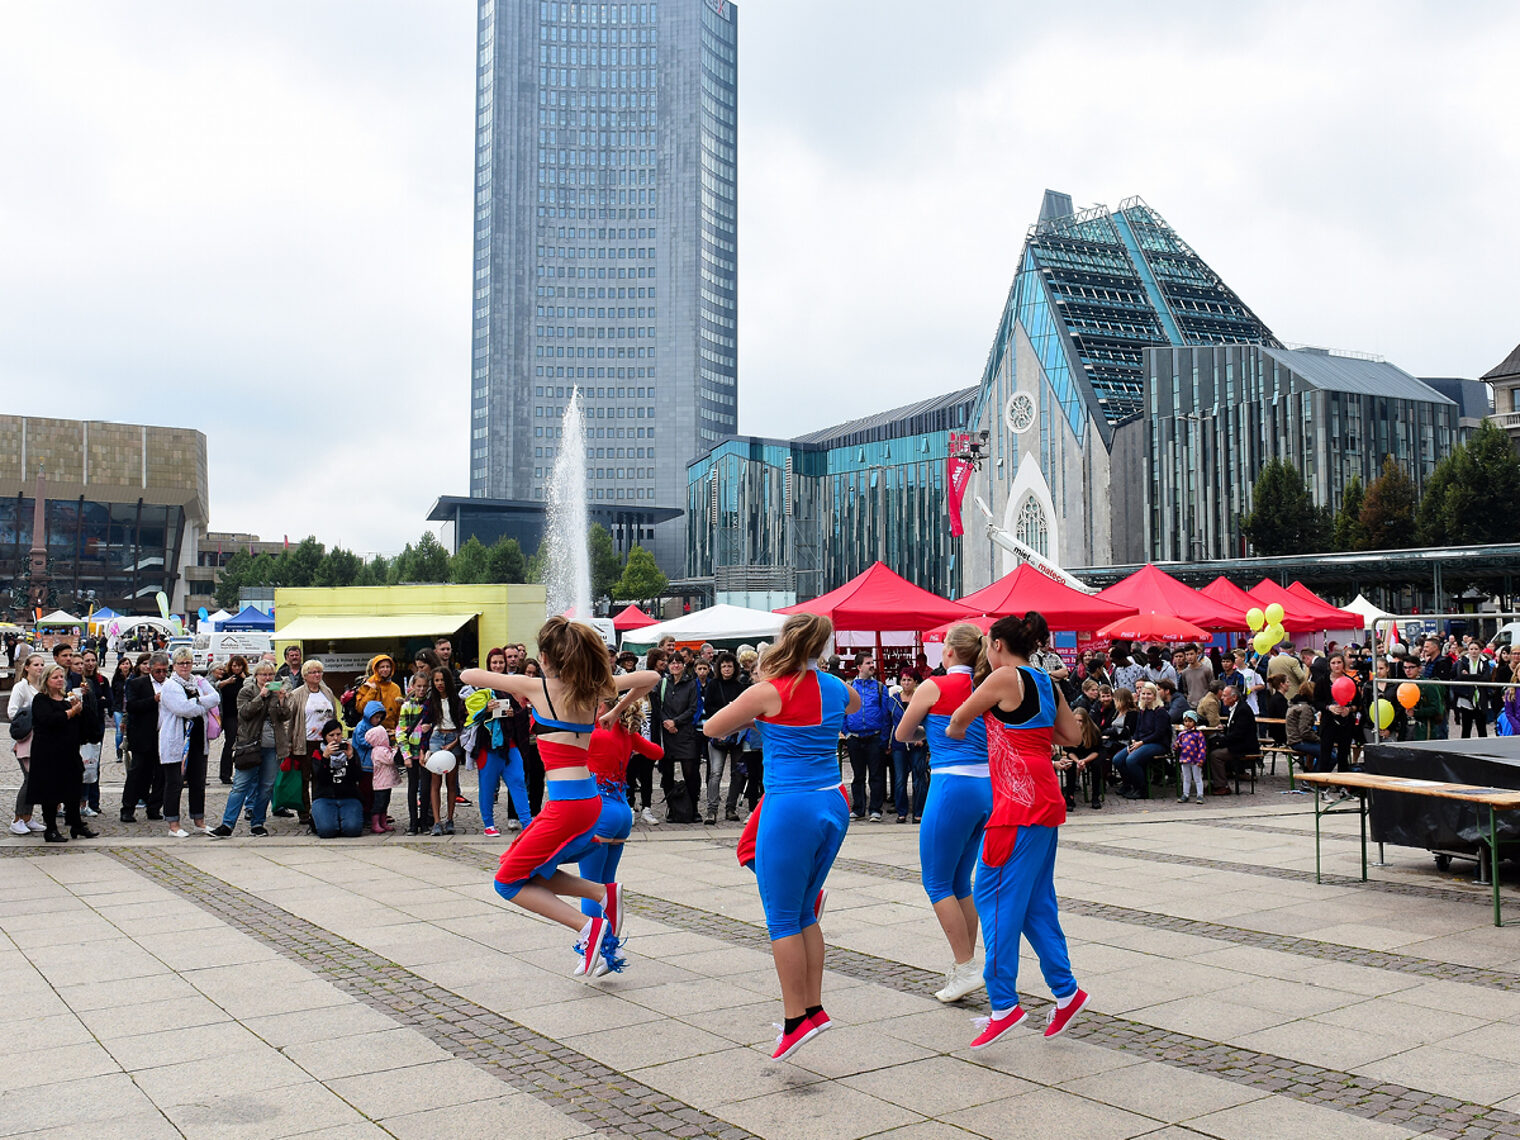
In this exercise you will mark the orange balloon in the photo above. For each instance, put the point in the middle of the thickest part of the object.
(1409, 694)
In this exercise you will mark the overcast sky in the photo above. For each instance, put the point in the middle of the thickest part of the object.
(255, 218)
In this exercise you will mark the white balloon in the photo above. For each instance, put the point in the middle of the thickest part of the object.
(440, 763)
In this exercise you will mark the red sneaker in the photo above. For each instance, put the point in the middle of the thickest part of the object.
(821, 1021)
(994, 1027)
(613, 908)
(591, 954)
(823, 897)
(789, 1043)
(1061, 1018)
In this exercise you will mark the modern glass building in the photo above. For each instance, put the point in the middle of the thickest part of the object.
(125, 506)
(1216, 415)
(606, 247)
(770, 521)
(1093, 289)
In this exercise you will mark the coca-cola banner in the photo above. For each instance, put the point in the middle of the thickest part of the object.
(958, 469)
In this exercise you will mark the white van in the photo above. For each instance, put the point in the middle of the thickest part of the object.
(1509, 634)
(212, 648)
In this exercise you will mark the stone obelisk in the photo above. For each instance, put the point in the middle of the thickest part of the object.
(39, 560)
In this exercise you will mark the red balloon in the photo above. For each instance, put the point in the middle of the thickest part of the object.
(1344, 690)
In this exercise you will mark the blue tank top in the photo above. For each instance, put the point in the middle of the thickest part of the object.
(954, 687)
(802, 740)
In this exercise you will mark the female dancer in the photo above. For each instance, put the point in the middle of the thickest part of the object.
(1024, 712)
(960, 800)
(577, 678)
(612, 744)
(805, 811)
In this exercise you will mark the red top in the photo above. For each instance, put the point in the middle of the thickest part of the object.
(607, 757)
(953, 688)
(557, 755)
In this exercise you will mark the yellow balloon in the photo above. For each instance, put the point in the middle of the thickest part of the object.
(1255, 618)
(1383, 710)
(1277, 632)
(1263, 642)
(1275, 614)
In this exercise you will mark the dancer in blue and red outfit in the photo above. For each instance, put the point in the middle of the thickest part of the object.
(1024, 713)
(959, 803)
(804, 814)
(577, 679)
(612, 745)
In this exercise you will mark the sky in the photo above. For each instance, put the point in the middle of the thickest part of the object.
(255, 219)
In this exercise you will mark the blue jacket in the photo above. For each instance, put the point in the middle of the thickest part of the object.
(361, 746)
(1153, 727)
(875, 715)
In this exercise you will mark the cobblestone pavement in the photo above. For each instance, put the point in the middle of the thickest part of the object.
(285, 986)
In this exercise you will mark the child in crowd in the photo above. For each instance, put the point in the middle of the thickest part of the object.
(385, 777)
(1191, 751)
(409, 744)
(374, 714)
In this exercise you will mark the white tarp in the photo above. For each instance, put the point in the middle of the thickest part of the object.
(1370, 613)
(716, 623)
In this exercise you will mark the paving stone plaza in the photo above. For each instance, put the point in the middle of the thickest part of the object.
(378, 987)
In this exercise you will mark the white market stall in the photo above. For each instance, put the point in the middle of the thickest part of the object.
(722, 625)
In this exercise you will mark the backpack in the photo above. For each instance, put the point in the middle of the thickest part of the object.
(678, 805)
(349, 701)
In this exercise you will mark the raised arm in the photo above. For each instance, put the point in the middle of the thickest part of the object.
(1004, 684)
(516, 684)
(760, 699)
(634, 687)
(918, 708)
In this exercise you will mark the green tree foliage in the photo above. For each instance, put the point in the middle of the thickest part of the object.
(375, 572)
(642, 580)
(1431, 528)
(471, 563)
(1388, 510)
(538, 564)
(1284, 519)
(1480, 503)
(338, 567)
(235, 575)
(606, 566)
(432, 559)
(298, 563)
(403, 567)
(505, 561)
(1349, 534)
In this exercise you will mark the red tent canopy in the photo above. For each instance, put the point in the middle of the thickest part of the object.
(1221, 589)
(1302, 614)
(936, 636)
(881, 600)
(632, 618)
(1351, 617)
(1062, 607)
(1154, 591)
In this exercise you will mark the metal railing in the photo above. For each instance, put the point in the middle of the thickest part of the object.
(1464, 683)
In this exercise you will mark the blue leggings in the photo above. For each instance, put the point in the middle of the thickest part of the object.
(600, 863)
(508, 767)
(950, 838)
(1019, 897)
(799, 836)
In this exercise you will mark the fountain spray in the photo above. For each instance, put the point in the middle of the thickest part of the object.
(568, 575)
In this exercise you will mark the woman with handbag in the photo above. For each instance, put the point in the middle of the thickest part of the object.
(722, 688)
(310, 705)
(56, 767)
(184, 734)
(19, 713)
(261, 741)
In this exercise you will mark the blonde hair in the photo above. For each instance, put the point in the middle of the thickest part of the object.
(970, 648)
(47, 673)
(182, 654)
(1149, 696)
(262, 667)
(803, 637)
(311, 665)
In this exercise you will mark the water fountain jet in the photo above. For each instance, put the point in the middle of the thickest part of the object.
(568, 574)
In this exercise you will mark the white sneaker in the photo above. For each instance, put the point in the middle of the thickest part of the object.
(964, 978)
(648, 816)
(179, 833)
(20, 828)
(514, 825)
(88, 812)
(33, 825)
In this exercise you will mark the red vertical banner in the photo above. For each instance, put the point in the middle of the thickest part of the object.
(958, 469)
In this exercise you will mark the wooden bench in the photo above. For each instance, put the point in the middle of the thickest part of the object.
(1270, 749)
(1491, 801)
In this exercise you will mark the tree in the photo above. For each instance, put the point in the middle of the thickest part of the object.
(235, 575)
(298, 563)
(606, 566)
(1480, 502)
(403, 567)
(264, 571)
(1431, 528)
(505, 561)
(1389, 507)
(1348, 520)
(375, 572)
(538, 564)
(471, 562)
(1284, 519)
(432, 559)
(642, 579)
(338, 567)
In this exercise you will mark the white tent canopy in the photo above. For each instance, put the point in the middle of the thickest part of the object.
(59, 618)
(1370, 613)
(214, 620)
(717, 623)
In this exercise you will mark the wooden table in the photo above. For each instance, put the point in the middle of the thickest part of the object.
(1364, 783)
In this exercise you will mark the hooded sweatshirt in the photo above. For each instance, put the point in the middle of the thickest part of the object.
(388, 693)
(361, 743)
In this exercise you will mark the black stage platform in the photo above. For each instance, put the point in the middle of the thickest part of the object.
(1443, 825)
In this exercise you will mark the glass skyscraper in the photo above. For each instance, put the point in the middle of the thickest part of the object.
(606, 247)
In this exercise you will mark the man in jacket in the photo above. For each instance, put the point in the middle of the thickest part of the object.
(866, 733)
(680, 710)
(145, 779)
(1237, 741)
(1436, 666)
(379, 686)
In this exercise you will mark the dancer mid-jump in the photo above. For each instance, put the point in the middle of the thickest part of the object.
(1015, 891)
(959, 803)
(805, 812)
(577, 679)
